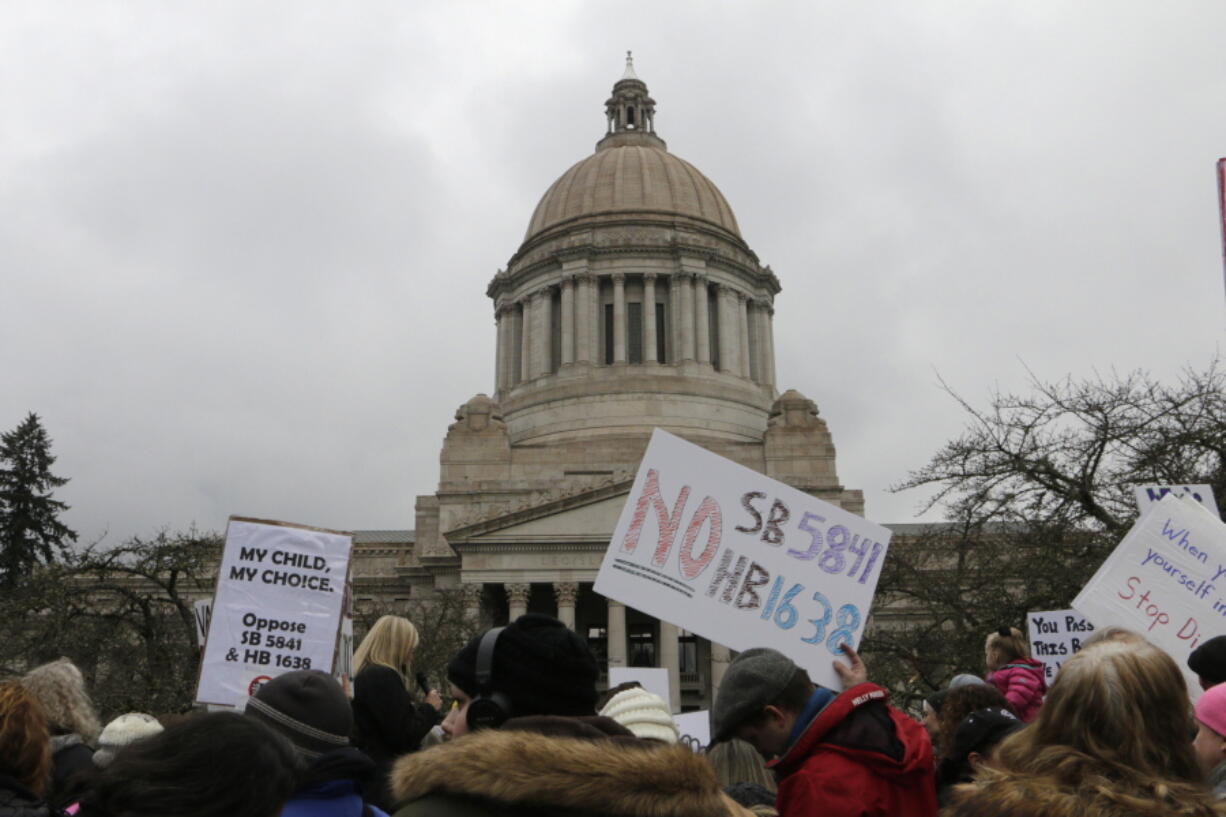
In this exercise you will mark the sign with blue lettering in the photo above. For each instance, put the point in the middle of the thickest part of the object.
(277, 607)
(1055, 635)
(1149, 494)
(741, 559)
(1166, 579)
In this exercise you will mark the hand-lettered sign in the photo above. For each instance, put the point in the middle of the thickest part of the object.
(734, 556)
(1055, 635)
(694, 730)
(277, 606)
(1166, 579)
(1149, 494)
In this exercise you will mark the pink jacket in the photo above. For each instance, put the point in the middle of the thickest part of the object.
(1023, 685)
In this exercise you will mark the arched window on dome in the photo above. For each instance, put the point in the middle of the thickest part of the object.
(517, 344)
(714, 327)
(630, 118)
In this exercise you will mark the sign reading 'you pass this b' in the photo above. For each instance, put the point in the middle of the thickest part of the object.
(741, 559)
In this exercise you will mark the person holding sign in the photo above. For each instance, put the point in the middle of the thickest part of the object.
(1111, 739)
(838, 755)
(387, 721)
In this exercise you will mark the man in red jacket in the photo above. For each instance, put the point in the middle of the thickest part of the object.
(836, 755)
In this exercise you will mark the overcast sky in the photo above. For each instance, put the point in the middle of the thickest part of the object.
(244, 246)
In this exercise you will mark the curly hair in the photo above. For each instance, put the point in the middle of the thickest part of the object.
(60, 688)
(961, 702)
(25, 744)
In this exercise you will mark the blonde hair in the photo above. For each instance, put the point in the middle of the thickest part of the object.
(390, 643)
(736, 761)
(25, 745)
(1114, 725)
(1120, 634)
(60, 689)
(1005, 645)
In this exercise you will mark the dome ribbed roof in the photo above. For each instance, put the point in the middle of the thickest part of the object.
(632, 178)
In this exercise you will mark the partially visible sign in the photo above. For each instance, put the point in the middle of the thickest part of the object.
(1166, 579)
(694, 729)
(1055, 635)
(652, 679)
(741, 559)
(204, 611)
(277, 606)
(1149, 494)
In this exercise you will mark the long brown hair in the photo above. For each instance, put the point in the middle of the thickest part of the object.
(1115, 724)
(25, 743)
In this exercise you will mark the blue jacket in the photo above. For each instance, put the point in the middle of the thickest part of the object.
(332, 787)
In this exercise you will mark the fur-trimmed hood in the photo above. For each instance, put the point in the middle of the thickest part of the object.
(603, 776)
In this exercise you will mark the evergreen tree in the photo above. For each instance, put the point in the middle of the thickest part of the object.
(30, 529)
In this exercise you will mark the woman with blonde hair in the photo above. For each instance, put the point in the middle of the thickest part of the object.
(1111, 739)
(25, 753)
(387, 720)
(743, 776)
(59, 688)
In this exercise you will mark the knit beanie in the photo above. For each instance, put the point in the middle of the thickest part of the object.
(1211, 709)
(1209, 660)
(643, 713)
(308, 707)
(966, 679)
(539, 663)
(120, 732)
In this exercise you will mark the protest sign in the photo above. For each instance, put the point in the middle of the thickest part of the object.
(204, 611)
(736, 557)
(1149, 494)
(1055, 635)
(277, 606)
(652, 679)
(694, 729)
(1166, 579)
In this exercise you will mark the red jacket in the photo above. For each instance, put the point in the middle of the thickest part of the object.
(859, 757)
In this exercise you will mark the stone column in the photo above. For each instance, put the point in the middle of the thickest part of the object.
(619, 317)
(517, 598)
(568, 321)
(566, 593)
(615, 632)
(763, 341)
(583, 313)
(500, 343)
(649, 318)
(670, 659)
(702, 321)
(472, 603)
(768, 320)
(728, 329)
(675, 306)
(525, 339)
(721, 657)
(687, 316)
(742, 319)
(544, 331)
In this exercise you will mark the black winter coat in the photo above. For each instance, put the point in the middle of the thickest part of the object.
(387, 723)
(18, 801)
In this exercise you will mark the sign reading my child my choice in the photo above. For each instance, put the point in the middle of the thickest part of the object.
(736, 557)
(1166, 580)
(277, 607)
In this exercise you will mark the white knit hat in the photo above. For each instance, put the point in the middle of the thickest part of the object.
(122, 731)
(643, 713)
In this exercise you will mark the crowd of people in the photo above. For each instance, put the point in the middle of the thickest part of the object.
(528, 733)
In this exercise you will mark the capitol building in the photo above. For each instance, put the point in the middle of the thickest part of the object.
(633, 303)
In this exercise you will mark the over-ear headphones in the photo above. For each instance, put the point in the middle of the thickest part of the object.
(489, 709)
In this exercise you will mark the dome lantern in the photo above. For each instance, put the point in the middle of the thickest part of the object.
(630, 113)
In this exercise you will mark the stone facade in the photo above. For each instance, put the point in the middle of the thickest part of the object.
(633, 303)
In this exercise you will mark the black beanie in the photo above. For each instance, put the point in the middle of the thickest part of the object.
(1209, 660)
(539, 663)
(306, 706)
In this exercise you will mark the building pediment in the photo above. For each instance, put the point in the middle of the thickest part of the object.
(584, 517)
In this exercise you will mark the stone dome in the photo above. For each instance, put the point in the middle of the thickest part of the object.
(640, 177)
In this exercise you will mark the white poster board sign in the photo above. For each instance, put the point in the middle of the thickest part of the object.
(1055, 635)
(652, 679)
(741, 559)
(277, 606)
(204, 611)
(694, 729)
(1166, 580)
(1149, 494)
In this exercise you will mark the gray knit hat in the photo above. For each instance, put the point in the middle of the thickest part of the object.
(306, 706)
(757, 677)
